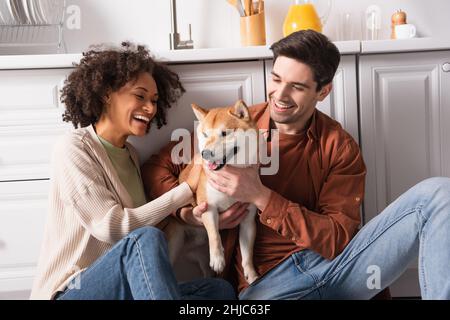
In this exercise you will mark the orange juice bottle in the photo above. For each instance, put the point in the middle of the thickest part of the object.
(301, 16)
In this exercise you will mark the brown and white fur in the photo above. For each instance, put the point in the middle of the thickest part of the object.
(218, 149)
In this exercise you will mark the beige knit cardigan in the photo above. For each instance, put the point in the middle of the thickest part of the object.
(89, 210)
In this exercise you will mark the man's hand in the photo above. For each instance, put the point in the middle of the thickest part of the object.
(228, 219)
(243, 184)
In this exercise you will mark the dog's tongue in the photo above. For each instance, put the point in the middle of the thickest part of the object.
(212, 165)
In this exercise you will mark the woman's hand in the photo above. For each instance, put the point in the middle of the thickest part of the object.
(228, 219)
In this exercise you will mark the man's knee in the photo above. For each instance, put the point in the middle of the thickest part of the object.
(435, 184)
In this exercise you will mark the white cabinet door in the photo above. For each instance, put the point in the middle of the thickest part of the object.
(208, 85)
(30, 121)
(23, 208)
(405, 116)
(342, 103)
(405, 132)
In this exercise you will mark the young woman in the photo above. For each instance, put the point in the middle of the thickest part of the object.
(100, 240)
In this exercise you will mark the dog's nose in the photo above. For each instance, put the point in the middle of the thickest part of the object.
(207, 154)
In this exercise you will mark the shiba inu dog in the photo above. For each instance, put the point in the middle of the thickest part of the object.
(226, 136)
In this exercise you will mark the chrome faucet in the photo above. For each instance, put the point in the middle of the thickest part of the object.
(175, 41)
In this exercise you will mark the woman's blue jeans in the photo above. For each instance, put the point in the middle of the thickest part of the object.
(138, 268)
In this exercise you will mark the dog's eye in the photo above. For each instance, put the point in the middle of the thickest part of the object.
(205, 135)
(224, 133)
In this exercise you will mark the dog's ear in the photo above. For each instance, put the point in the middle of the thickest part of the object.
(200, 113)
(240, 111)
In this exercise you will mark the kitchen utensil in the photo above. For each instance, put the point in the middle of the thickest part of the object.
(260, 5)
(238, 5)
(255, 7)
(302, 15)
(248, 7)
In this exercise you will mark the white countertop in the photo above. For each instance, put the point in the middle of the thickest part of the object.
(230, 54)
(172, 56)
(242, 53)
(404, 45)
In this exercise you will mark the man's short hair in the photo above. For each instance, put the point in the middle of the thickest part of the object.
(313, 49)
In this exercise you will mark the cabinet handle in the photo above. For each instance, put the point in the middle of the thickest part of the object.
(446, 67)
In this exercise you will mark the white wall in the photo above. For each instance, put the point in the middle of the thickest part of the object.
(216, 24)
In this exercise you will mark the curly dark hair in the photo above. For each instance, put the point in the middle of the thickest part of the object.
(102, 71)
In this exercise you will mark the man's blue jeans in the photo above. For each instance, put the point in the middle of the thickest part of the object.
(416, 224)
(138, 268)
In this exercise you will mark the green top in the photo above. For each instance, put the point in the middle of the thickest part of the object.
(127, 171)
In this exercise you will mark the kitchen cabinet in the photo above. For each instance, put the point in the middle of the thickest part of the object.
(342, 102)
(22, 214)
(405, 112)
(405, 132)
(30, 122)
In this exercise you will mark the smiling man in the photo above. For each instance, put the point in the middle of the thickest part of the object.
(307, 244)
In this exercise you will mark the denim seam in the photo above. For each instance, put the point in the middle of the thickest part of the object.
(424, 285)
(370, 241)
(139, 252)
(419, 211)
(304, 270)
(305, 293)
(422, 269)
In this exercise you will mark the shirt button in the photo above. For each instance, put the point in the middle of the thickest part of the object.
(269, 221)
(293, 238)
(358, 199)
